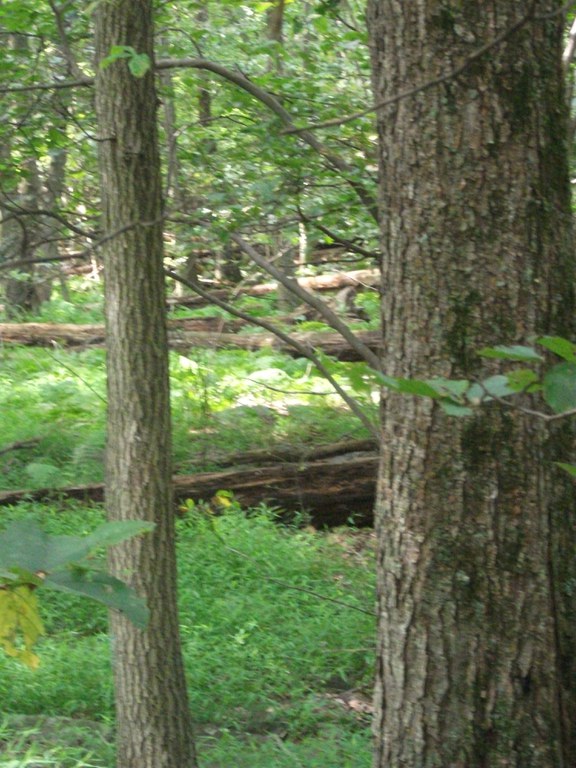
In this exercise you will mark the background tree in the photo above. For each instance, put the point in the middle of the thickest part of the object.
(475, 524)
(153, 718)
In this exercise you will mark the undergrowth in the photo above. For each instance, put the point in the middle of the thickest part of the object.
(265, 646)
(276, 621)
(223, 402)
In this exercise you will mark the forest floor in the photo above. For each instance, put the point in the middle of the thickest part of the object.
(278, 636)
(276, 611)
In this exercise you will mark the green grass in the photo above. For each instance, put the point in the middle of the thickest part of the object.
(223, 402)
(261, 657)
(264, 660)
(84, 303)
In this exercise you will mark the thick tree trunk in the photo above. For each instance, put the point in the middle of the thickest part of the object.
(153, 719)
(476, 529)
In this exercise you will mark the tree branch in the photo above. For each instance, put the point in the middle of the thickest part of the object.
(32, 443)
(351, 402)
(350, 245)
(266, 98)
(334, 160)
(427, 85)
(313, 301)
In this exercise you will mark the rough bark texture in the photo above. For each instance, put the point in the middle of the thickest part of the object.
(476, 528)
(153, 718)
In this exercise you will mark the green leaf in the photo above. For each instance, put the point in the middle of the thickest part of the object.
(114, 532)
(524, 380)
(558, 345)
(139, 64)
(493, 386)
(417, 387)
(455, 409)
(451, 388)
(25, 545)
(570, 468)
(117, 52)
(559, 387)
(515, 352)
(434, 388)
(387, 381)
(103, 588)
(360, 376)
(20, 577)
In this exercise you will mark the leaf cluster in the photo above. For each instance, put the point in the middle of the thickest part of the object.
(460, 397)
(31, 558)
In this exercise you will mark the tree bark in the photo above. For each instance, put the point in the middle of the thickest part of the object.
(154, 727)
(476, 531)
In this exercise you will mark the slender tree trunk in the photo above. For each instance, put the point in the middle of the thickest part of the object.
(476, 527)
(153, 718)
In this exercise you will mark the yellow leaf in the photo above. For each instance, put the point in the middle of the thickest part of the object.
(20, 624)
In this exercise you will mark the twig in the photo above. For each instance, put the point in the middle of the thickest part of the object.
(285, 584)
(547, 417)
(20, 444)
(350, 244)
(79, 254)
(77, 375)
(307, 392)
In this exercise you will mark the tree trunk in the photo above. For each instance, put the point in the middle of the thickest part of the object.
(476, 664)
(153, 717)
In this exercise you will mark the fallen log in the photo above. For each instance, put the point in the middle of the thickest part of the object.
(182, 338)
(328, 342)
(47, 334)
(287, 453)
(73, 335)
(359, 278)
(332, 491)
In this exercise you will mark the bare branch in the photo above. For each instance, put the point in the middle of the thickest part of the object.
(313, 301)
(57, 85)
(80, 254)
(17, 211)
(351, 402)
(350, 244)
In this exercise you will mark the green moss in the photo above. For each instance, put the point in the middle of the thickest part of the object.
(518, 93)
(444, 20)
(459, 336)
